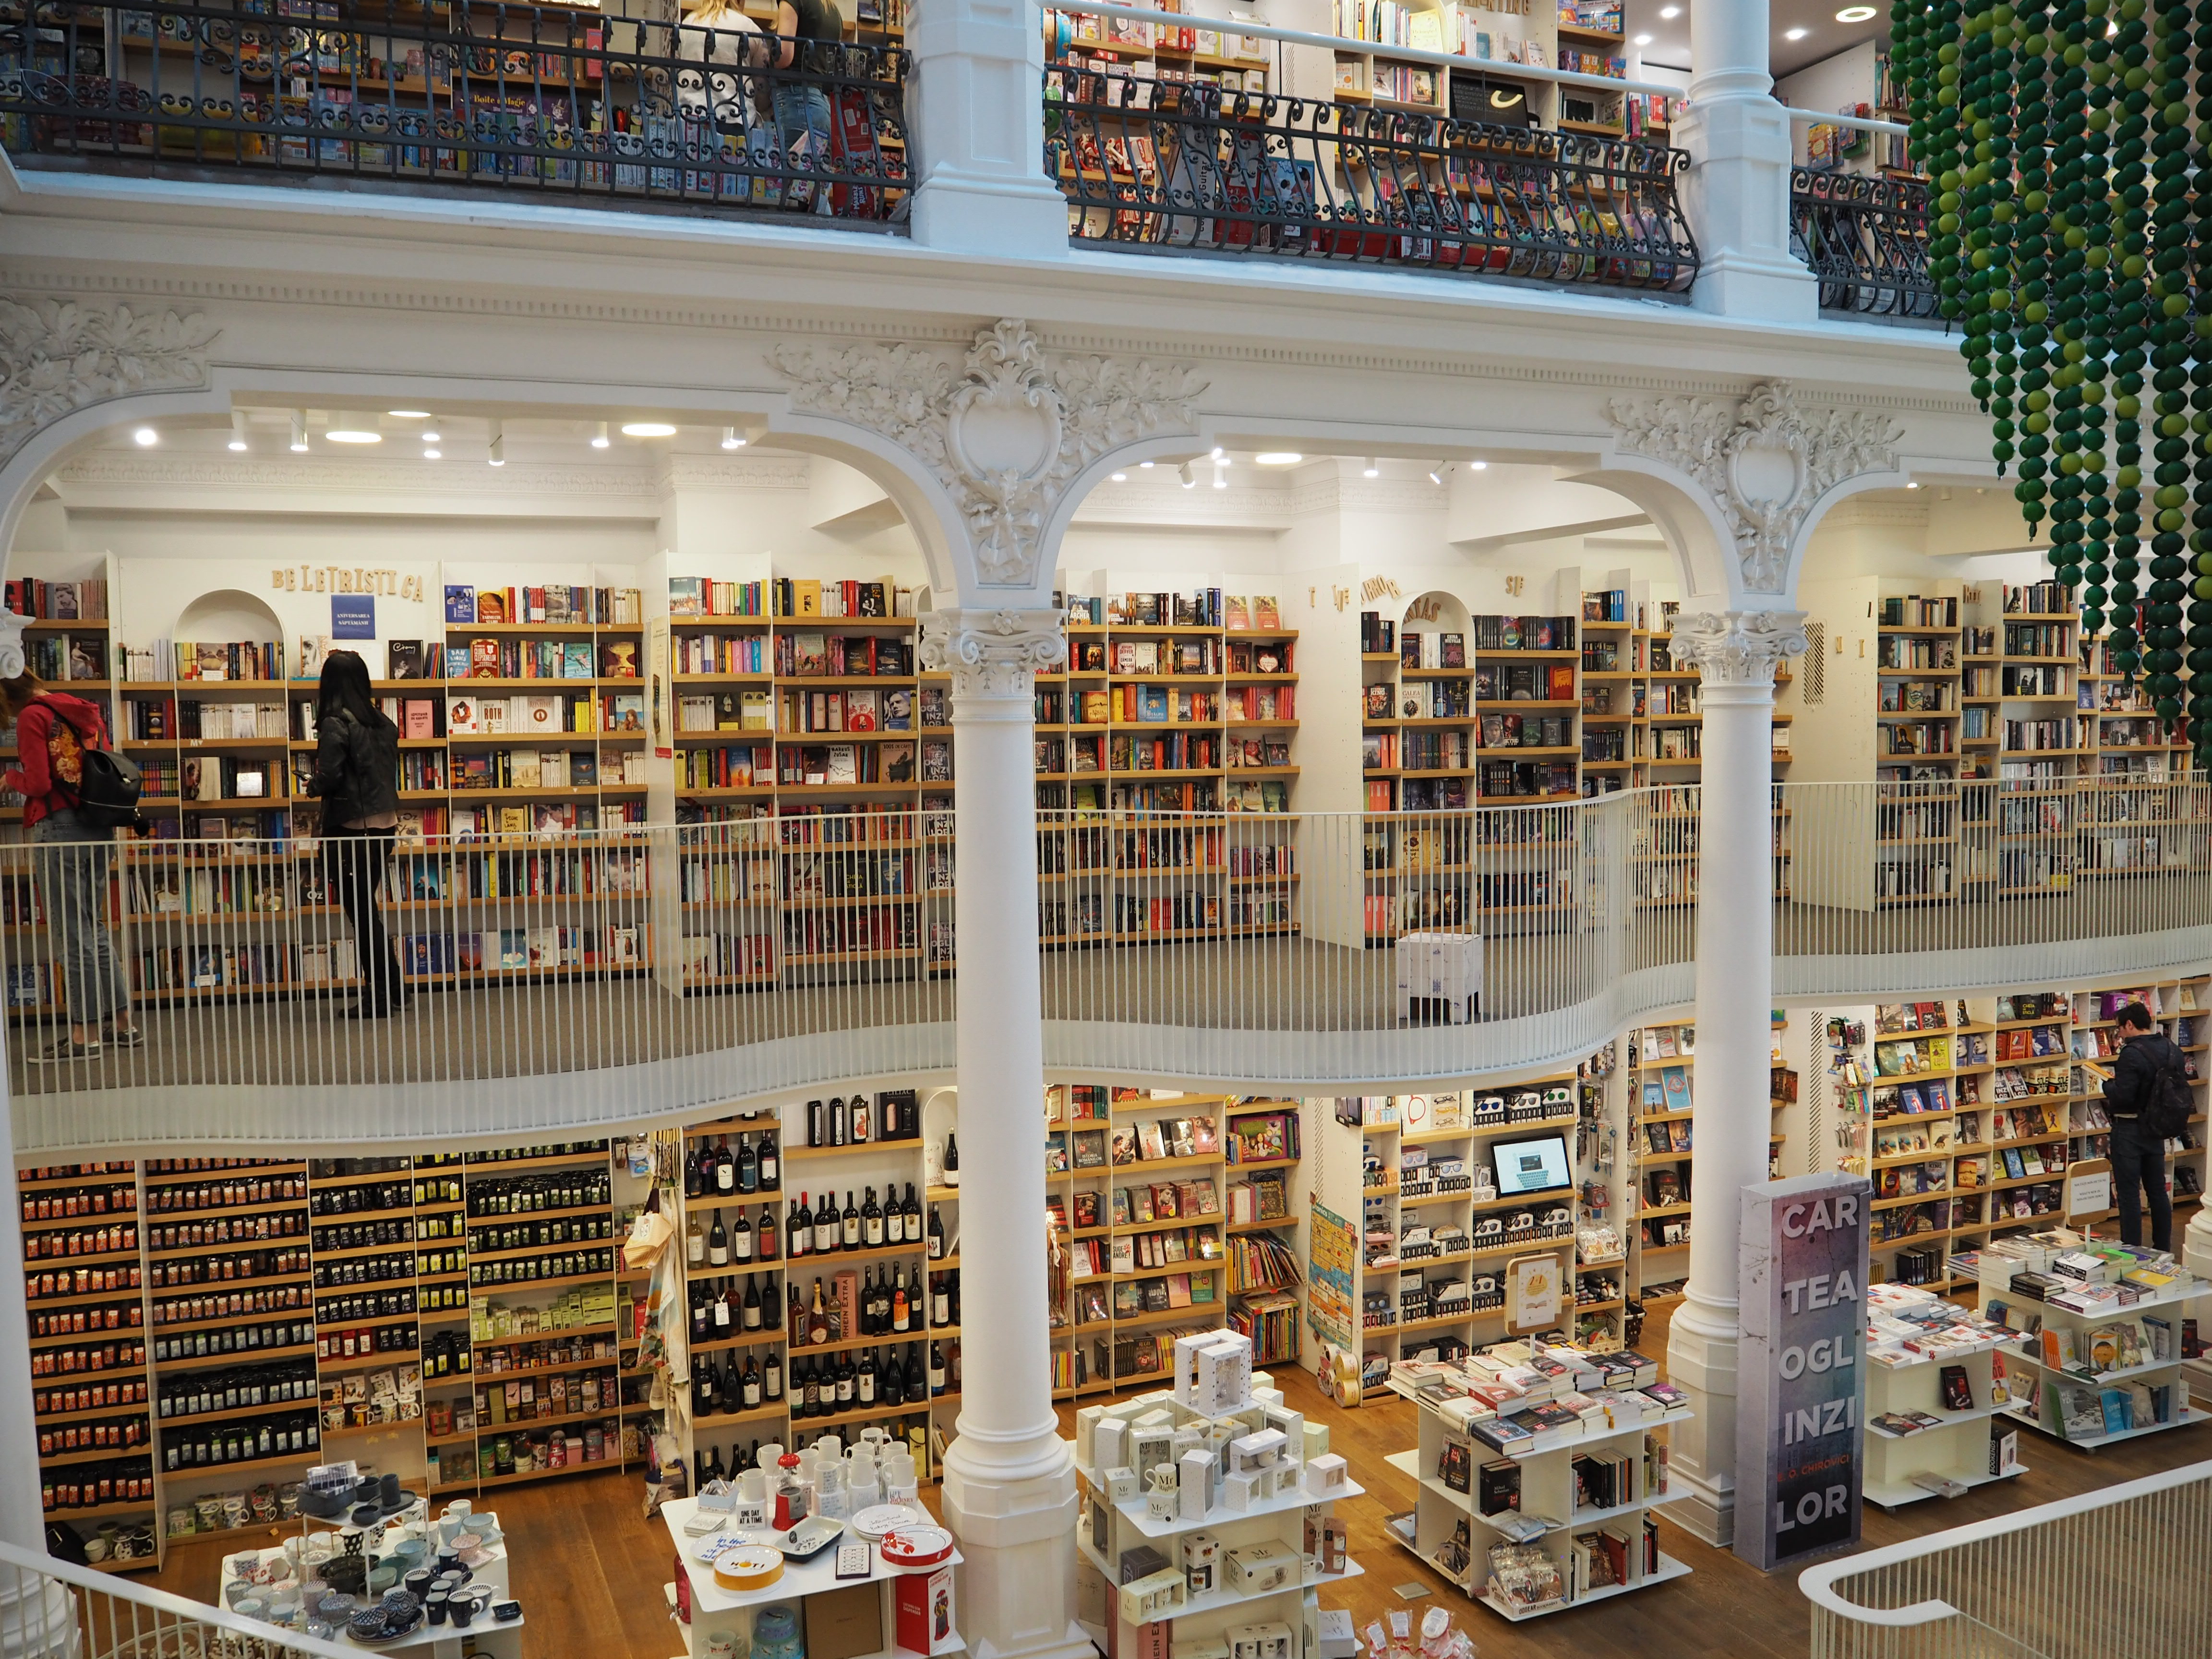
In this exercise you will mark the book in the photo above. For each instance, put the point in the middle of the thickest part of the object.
(403, 660)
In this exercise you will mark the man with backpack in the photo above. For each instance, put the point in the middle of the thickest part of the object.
(2148, 1099)
(65, 809)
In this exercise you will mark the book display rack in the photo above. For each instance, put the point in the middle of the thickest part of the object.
(1265, 1142)
(1967, 1112)
(1208, 1510)
(1538, 1466)
(1937, 1379)
(1663, 1089)
(453, 1317)
(1437, 1231)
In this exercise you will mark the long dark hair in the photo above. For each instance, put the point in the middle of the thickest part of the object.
(346, 685)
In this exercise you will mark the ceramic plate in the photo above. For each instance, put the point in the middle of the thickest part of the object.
(748, 1567)
(878, 1519)
(707, 1549)
(916, 1546)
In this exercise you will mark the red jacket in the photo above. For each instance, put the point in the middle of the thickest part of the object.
(43, 793)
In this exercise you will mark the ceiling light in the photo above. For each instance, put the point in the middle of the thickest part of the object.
(298, 432)
(353, 434)
(1670, 13)
(1121, 477)
(1643, 39)
(434, 455)
(1219, 453)
(498, 456)
(1189, 479)
(238, 430)
(145, 437)
(432, 436)
(1478, 466)
(1221, 473)
(1796, 34)
(600, 439)
(408, 414)
(647, 429)
(1146, 466)
(1435, 476)
(1279, 458)
(1373, 469)
(1912, 486)
(732, 439)
(1855, 14)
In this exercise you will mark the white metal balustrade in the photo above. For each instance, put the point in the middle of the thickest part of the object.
(51, 1609)
(2127, 1570)
(579, 981)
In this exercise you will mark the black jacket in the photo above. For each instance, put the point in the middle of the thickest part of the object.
(2135, 1073)
(357, 768)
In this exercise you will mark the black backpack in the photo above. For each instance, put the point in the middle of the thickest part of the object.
(107, 793)
(2171, 1102)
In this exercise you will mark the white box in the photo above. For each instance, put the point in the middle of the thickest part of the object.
(1315, 1440)
(1110, 1443)
(1269, 1641)
(1326, 1476)
(1258, 1452)
(1254, 1569)
(1440, 968)
(1199, 1471)
(1149, 1447)
(1240, 1492)
(1201, 1562)
(1291, 1426)
(1186, 1366)
(1202, 1647)
(1224, 1381)
(1122, 1484)
(1086, 1435)
(1156, 1596)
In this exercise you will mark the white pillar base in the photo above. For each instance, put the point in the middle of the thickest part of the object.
(1018, 1543)
(1701, 1361)
(1736, 197)
(991, 215)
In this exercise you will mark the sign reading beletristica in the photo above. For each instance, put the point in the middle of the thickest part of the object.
(1800, 1375)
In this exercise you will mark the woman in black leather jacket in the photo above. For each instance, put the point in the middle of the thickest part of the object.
(357, 777)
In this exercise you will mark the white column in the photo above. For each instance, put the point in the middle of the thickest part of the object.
(2196, 1241)
(977, 123)
(1736, 194)
(22, 1518)
(1735, 653)
(1010, 1494)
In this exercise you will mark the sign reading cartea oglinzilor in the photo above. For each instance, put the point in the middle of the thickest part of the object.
(1801, 1372)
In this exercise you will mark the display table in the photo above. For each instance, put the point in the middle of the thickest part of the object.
(1919, 1442)
(718, 1613)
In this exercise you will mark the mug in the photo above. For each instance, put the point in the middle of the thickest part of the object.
(434, 1604)
(465, 1606)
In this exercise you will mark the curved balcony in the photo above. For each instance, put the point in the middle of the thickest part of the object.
(590, 980)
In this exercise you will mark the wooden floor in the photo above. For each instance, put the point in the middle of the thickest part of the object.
(589, 1567)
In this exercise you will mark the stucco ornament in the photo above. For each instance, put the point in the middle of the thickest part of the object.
(1005, 429)
(11, 644)
(1765, 460)
(992, 653)
(56, 357)
(1738, 648)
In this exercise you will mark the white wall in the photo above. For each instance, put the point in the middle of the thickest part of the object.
(1830, 84)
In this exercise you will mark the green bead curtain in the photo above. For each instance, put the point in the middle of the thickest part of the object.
(2063, 141)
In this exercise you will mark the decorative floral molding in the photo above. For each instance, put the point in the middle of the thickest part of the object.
(1738, 648)
(1005, 429)
(992, 653)
(11, 644)
(1765, 460)
(58, 356)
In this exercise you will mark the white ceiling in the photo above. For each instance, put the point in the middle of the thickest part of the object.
(1824, 36)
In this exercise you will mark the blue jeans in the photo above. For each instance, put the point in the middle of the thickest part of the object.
(802, 107)
(73, 883)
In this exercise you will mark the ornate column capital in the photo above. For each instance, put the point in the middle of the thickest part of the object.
(58, 356)
(992, 654)
(1734, 648)
(1765, 461)
(1005, 428)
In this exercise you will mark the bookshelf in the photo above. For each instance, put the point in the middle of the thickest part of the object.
(1265, 1140)
(1932, 1417)
(1975, 1150)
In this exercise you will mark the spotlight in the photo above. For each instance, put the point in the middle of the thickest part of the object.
(1219, 453)
(1435, 476)
(1279, 458)
(298, 432)
(238, 430)
(1121, 477)
(1373, 469)
(1220, 473)
(600, 439)
(1189, 479)
(432, 436)
(732, 439)
(498, 456)
(408, 414)
(1795, 35)
(145, 437)
(647, 429)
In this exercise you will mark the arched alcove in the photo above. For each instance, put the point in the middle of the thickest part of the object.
(226, 616)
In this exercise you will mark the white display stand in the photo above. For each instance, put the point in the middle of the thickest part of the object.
(1547, 1487)
(1898, 1381)
(2044, 1410)
(717, 1612)
(1444, 969)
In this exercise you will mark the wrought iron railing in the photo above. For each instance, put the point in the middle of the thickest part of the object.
(1866, 239)
(514, 96)
(1191, 165)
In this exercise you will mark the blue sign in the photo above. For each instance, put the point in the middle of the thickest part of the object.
(353, 616)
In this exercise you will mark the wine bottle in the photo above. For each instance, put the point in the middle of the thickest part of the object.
(890, 1382)
(722, 1313)
(799, 1236)
(741, 1238)
(771, 1163)
(749, 1390)
(862, 1126)
(810, 1388)
(913, 1216)
(940, 1300)
(951, 1159)
(867, 1302)
(872, 1222)
(748, 1165)
(817, 1128)
(849, 1222)
(772, 1377)
(726, 1168)
(718, 1243)
(894, 1217)
(698, 1313)
(695, 1242)
(795, 1317)
(936, 1234)
(936, 1370)
(863, 1383)
(902, 1312)
(818, 1318)
(764, 1246)
(837, 1121)
(916, 1383)
(692, 1186)
(829, 1226)
(714, 1470)
(749, 1312)
(845, 1381)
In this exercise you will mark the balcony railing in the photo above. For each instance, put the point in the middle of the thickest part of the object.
(1866, 239)
(594, 978)
(1187, 166)
(555, 102)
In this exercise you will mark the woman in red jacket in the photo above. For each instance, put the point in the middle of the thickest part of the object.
(53, 731)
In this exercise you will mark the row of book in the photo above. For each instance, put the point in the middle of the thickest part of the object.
(554, 604)
(84, 600)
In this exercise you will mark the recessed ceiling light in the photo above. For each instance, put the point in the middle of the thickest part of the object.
(732, 439)
(1796, 34)
(238, 429)
(1279, 458)
(1478, 466)
(1146, 466)
(1121, 477)
(432, 436)
(1643, 39)
(1373, 470)
(647, 429)
(1855, 14)
(600, 439)
(1221, 472)
(1670, 13)
(298, 432)
(408, 414)
(353, 434)
(1912, 486)
(145, 437)
(434, 455)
